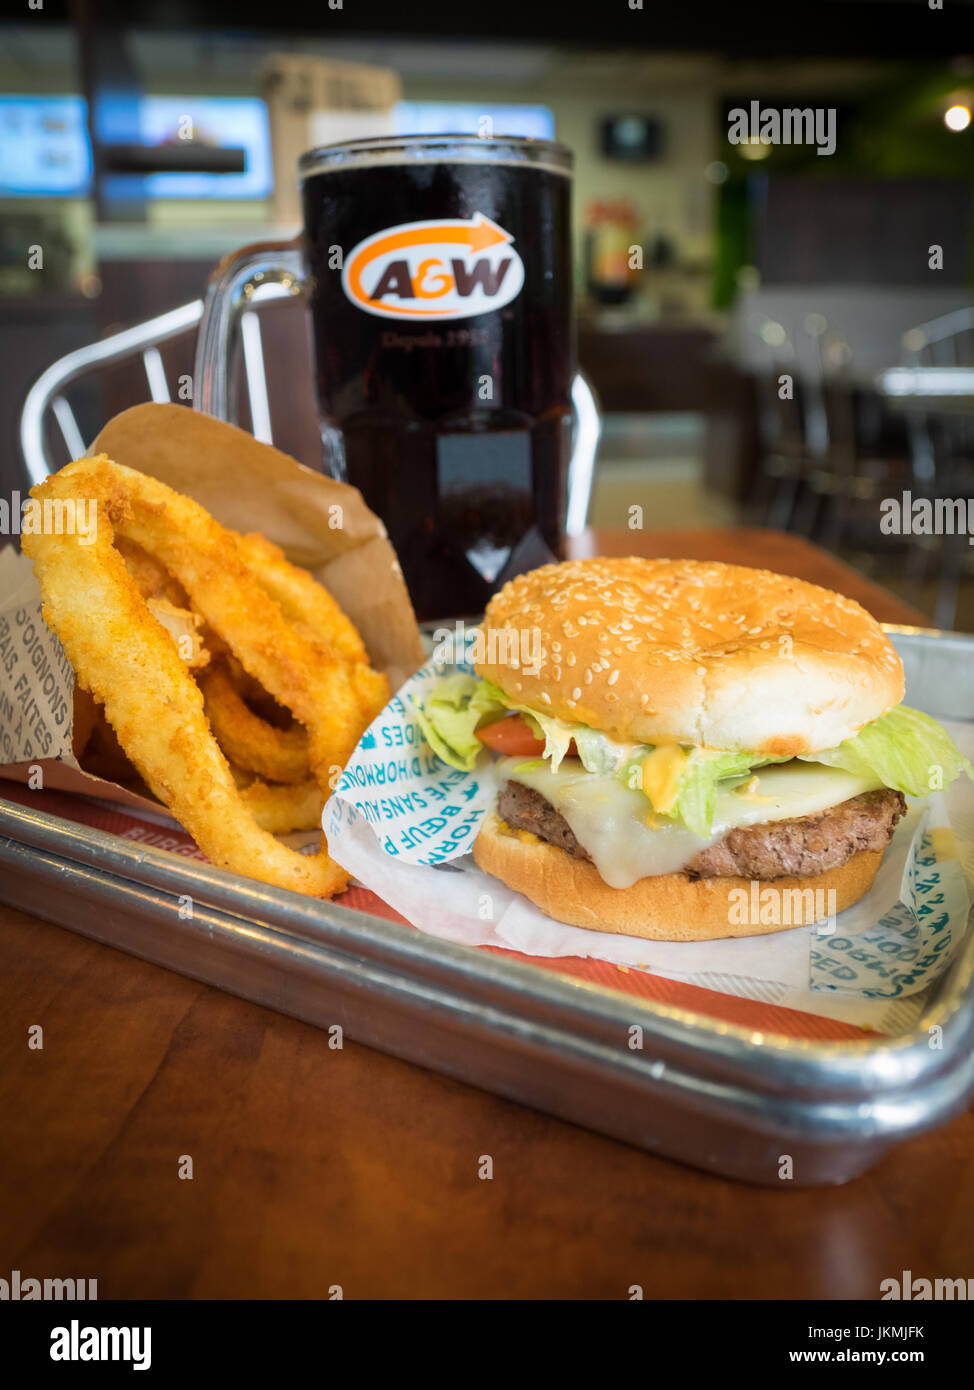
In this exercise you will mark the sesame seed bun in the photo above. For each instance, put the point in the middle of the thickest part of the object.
(668, 907)
(678, 651)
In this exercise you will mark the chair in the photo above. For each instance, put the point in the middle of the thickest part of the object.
(854, 460)
(780, 427)
(942, 445)
(47, 406)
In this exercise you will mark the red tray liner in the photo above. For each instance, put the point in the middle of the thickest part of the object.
(747, 1013)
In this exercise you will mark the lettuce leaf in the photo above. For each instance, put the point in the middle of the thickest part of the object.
(556, 733)
(460, 703)
(905, 750)
(697, 796)
(452, 712)
(600, 754)
(698, 789)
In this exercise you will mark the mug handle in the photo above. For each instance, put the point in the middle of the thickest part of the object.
(229, 294)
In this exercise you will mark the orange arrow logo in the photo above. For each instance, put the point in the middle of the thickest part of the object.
(475, 234)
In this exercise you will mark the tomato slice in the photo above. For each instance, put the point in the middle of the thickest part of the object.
(512, 736)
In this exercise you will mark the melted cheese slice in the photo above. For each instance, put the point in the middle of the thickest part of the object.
(627, 842)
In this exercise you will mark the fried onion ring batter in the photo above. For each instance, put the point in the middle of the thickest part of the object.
(309, 604)
(283, 809)
(131, 665)
(281, 755)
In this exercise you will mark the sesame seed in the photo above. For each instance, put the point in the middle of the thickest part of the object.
(576, 694)
(614, 677)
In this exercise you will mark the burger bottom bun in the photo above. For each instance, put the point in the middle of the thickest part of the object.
(670, 907)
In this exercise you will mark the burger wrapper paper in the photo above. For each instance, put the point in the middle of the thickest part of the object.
(403, 823)
(322, 525)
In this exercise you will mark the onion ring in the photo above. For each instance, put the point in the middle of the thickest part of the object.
(132, 667)
(152, 579)
(284, 809)
(104, 756)
(183, 627)
(305, 601)
(302, 598)
(86, 715)
(281, 755)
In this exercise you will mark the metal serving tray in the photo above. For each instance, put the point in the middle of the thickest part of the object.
(710, 1093)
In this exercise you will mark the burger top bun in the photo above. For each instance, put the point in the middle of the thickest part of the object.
(679, 651)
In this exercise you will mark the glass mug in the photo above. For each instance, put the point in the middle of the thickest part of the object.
(438, 274)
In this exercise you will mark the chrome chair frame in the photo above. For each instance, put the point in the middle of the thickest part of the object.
(47, 393)
(942, 444)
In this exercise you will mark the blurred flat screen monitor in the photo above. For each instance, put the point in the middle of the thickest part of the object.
(228, 123)
(45, 151)
(635, 139)
(469, 118)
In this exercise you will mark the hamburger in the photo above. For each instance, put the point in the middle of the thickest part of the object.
(675, 738)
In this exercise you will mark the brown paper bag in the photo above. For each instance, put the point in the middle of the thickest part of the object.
(322, 525)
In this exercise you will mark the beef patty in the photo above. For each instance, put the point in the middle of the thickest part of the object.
(797, 848)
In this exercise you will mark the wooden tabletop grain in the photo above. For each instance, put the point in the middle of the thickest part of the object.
(314, 1168)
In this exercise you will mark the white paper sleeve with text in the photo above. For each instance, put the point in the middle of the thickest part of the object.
(36, 680)
(420, 810)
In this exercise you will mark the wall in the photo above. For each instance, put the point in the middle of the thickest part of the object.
(672, 195)
(580, 86)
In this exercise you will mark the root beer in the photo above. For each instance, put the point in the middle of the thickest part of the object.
(440, 289)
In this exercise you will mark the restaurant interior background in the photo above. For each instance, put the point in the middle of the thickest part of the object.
(757, 261)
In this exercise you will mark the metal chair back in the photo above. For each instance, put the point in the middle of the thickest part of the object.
(942, 441)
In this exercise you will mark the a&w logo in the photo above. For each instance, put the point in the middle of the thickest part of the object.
(451, 268)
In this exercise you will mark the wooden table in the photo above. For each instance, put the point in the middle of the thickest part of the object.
(315, 1167)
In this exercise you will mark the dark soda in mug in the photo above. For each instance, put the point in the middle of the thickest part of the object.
(440, 285)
